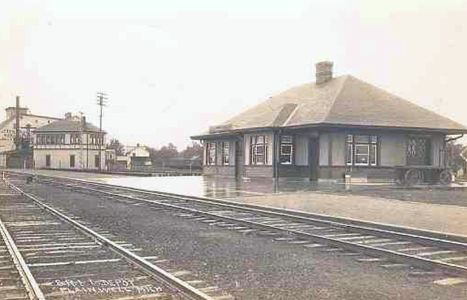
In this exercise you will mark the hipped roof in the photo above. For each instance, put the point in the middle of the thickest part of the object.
(68, 126)
(341, 101)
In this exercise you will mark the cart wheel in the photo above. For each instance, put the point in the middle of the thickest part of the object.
(412, 176)
(445, 177)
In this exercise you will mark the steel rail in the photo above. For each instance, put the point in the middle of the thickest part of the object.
(292, 216)
(354, 224)
(372, 251)
(338, 221)
(400, 257)
(150, 268)
(32, 287)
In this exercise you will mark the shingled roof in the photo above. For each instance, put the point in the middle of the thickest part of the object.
(67, 126)
(340, 101)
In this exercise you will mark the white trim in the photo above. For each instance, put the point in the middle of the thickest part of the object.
(367, 155)
(290, 155)
(223, 153)
(254, 150)
(375, 146)
(291, 115)
(351, 154)
(208, 153)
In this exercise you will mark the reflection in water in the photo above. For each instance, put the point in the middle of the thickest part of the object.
(215, 187)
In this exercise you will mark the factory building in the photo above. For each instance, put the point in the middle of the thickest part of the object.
(28, 122)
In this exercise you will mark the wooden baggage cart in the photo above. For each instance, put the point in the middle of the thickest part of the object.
(411, 175)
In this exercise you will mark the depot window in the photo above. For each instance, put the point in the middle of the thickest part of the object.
(96, 139)
(60, 139)
(362, 150)
(286, 150)
(75, 139)
(210, 153)
(225, 153)
(40, 139)
(259, 150)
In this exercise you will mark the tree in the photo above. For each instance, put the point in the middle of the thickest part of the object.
(167, 152)
(195, 150)
(164, 153)
(455, 160)
(117, 146)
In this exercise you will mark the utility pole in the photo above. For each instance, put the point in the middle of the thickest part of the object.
(17, 125)
(101, 101)
(81, 141)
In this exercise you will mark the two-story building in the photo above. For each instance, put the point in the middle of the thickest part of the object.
(325, 129)
(71, 143)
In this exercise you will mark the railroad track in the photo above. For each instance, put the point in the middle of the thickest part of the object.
(16, 282)
(49, 255)
(392, 248)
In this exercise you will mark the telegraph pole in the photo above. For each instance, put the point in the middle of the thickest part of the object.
(101, 101)
(17, 125)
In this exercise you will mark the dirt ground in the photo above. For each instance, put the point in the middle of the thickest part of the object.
(248, 266)
(426, 194)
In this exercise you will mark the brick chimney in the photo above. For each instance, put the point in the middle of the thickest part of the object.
(323, 71)
(83, 123)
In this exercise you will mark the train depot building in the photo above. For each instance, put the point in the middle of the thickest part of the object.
(326, 129)
(71, 143)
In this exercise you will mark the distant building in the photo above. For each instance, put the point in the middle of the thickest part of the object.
(110, 159)
(138, 157)
(28, 123)
(134, 158)
(71, 143)
(325, 129)
(121, 163)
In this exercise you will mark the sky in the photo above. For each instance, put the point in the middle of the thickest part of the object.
(173, 68)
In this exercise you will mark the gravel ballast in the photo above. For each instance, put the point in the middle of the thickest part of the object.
(246, 266)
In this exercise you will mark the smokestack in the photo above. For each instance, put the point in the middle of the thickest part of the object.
(83, 122)
(17, 126)
(323, 71)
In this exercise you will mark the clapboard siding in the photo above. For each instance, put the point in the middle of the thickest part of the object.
(219, 170)
(293, 171)
(258, 171)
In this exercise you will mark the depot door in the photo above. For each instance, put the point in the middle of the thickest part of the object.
(313, 158)
(239, 159)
